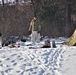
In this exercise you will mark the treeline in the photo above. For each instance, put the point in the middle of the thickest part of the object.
(58, 18)
(59, 15)
(14, 20)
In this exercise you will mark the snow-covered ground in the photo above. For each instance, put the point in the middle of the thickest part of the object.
(38, 61)
(69, 61)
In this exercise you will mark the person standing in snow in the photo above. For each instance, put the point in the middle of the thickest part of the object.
(35, 29)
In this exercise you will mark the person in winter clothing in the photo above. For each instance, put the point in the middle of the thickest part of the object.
(46, 44)
(35, 29)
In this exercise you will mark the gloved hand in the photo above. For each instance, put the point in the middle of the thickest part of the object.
(38, 31)
(29, 32)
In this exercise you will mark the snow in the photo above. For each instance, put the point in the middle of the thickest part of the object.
(38, 61)
(69, 62)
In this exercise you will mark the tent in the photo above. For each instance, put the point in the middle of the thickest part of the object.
(71, 41)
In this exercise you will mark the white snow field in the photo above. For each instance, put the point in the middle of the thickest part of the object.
(38, 61)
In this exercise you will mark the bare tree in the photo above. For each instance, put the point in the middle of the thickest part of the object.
(68, 17)
(3, 3)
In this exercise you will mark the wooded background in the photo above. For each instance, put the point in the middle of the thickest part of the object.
(58, 18)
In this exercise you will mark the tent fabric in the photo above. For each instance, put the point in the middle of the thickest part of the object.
(71, 41)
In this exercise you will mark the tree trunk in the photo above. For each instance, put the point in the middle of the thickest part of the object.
(3, 3)
(72, 40)
(68, 18)
(3, 9)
